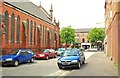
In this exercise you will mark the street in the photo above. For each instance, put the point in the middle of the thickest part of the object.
(49, 67)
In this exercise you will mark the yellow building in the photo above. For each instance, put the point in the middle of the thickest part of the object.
(81, 37)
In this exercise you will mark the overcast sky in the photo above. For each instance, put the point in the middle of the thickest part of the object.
(77, 13)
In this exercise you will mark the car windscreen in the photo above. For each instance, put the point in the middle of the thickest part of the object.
(71, 53)
(60, 49)
(46, 51)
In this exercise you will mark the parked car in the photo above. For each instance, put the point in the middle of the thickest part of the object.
(17, 56)
(54, 52)
(48, 53)
(60, 51)
(71, 58)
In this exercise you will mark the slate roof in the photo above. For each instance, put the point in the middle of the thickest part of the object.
(83, 30)
(30, 8)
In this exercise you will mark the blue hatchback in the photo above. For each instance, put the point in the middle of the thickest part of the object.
(71, 58)
(17, 57)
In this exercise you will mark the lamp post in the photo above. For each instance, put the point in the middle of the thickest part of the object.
(65, 39)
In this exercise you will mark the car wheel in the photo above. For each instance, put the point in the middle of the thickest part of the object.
(79, 65)
(32, 60)
(16, 63)
(60, 67)
(47, 57)
(83, 61)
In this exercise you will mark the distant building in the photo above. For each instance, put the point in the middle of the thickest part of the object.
(25, 25)
(112, 30)
(81, 38)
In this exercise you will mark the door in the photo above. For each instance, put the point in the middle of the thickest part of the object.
(22, 57)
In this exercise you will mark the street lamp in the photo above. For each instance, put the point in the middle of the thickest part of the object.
(65, 39)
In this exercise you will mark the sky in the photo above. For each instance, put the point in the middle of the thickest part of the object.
(76, 13)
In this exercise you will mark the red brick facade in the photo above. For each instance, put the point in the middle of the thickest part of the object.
(112, 24)
(46, 34)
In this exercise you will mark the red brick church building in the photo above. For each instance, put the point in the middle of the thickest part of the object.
(26, 25)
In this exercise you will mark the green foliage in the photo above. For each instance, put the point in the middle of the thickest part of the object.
(67, 35)
(96, 34)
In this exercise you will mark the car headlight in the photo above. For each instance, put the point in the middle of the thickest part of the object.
(9, 59)
(74, 61)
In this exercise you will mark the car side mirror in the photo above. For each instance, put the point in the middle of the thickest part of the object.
(81, 54)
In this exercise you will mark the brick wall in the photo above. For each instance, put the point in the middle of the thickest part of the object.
(23, 17)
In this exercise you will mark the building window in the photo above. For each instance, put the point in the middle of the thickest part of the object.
(18, 29)
(31, 24)
(27, 26)
(83, 40)
(42, 35)
(6, 20)
(34, 32)
(82, 34)
(12, 27)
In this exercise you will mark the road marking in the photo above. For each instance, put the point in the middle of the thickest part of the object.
(88, 54)
(60, 73)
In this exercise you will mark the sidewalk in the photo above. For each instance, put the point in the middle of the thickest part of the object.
(96, 65)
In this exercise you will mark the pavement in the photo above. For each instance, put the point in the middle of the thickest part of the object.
(96, 65)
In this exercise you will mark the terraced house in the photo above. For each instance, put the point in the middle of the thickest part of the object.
(112, 28)
(26, 25)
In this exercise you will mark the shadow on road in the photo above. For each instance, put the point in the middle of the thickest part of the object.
(21, 64)
(82, 67)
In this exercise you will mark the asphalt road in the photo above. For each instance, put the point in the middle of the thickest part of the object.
(97, 65)
(92, 67)
(38, 68)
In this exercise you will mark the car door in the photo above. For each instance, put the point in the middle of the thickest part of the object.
(28, 55)
(22, 57)
(52, 53)
(81, 55)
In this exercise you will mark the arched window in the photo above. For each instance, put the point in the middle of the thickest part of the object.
(6, 21)
(27, 25)
(12, 27)
(34, 32)
(18, 29)
(83, 40)
(31, 24)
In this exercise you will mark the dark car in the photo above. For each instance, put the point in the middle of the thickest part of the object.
(48, 53)
(71, 58)
(17, 56)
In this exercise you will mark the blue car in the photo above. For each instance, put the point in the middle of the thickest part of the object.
(71, 58)
(17, 57)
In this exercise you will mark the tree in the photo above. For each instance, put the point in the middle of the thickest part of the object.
(67, 35)
(96, 34)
